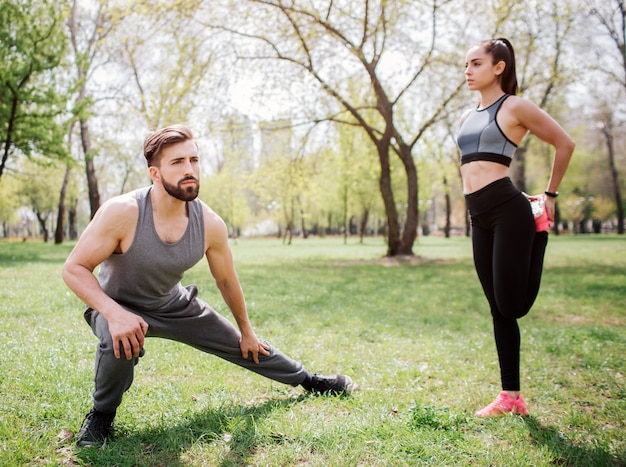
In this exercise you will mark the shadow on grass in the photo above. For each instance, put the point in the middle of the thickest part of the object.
(566, 452)
(231, 429)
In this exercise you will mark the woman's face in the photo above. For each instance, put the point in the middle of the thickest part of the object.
(480, 72)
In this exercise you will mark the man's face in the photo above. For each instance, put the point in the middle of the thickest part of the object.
(180, 170)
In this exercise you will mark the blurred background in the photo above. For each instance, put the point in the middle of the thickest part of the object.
(313, 117)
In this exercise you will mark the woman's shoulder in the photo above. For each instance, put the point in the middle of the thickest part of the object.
(522, 109)
(518, 103)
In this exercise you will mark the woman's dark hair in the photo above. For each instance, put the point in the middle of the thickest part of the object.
(501, 50)
(160, 139)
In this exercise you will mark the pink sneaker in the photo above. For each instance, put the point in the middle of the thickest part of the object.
(504, 404)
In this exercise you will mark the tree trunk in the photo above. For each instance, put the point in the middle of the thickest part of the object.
(288, 235)
(42, 225)
(608, 136)
(409, 232)
(393, 227)
(92, 180)
(9, 133)
(446, 229)
(345, 213)
(363, 225)
(58, 232)
(305, 233)
(556, 225)
(289, 216)
(71, 220)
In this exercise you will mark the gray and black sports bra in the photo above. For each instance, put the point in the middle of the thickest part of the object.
(481, 139)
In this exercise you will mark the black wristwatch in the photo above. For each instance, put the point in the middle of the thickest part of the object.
(551, 194)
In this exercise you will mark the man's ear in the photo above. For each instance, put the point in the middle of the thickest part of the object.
(155, 175)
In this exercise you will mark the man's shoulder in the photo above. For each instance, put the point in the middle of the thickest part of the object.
(126, 200)
(210, 216)
(213, 223)
(120, 207)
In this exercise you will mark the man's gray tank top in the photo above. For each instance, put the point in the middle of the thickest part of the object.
(147, 276)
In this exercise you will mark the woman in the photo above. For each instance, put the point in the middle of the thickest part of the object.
(508, 242)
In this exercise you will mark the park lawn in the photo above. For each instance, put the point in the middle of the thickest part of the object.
(414, 333)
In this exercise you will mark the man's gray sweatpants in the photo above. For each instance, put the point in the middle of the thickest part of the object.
(195, 324)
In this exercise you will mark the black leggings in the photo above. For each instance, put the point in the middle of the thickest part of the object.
(508, 255)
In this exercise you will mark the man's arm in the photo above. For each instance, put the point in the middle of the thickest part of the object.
(106, 234)
(222, 268)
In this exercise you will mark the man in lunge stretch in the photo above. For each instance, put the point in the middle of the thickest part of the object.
(144, 241)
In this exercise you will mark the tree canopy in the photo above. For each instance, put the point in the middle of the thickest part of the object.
(33, 42)
(313, 116)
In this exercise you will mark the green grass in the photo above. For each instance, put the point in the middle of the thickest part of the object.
(415, 335)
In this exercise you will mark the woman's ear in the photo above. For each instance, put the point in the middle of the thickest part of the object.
(500, 66)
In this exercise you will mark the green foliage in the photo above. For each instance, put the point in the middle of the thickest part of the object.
(9, 201)
(225, 194)
(149, 63)
(415, 334)
(40, 187)
(166, 90)
(355, 171)
(32, 97)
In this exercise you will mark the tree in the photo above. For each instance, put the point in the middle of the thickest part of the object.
(612, 18)
(437, 156)
(283, 175)
(337, 41)
(88, 30)
(60, 227)
(355, 168)
(37, 191)
(59, 231)
(164, 86)
(32, 49)
(606, 126)
(9, 203)
(227, 188)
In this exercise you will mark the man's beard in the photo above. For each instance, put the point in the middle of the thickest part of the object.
(184, 194)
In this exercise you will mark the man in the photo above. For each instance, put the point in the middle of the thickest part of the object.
(144, 241)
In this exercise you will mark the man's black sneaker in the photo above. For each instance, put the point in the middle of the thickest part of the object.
(96, 428)
(333, 385)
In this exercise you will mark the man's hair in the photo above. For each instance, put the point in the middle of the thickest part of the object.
(160, 139)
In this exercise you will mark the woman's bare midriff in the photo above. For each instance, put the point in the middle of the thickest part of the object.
(479, 174)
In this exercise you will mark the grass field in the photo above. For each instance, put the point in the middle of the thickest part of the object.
(414, 334)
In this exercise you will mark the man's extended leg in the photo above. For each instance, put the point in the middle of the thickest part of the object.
(199, 325)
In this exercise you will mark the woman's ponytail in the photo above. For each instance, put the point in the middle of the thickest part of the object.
(501, 50)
